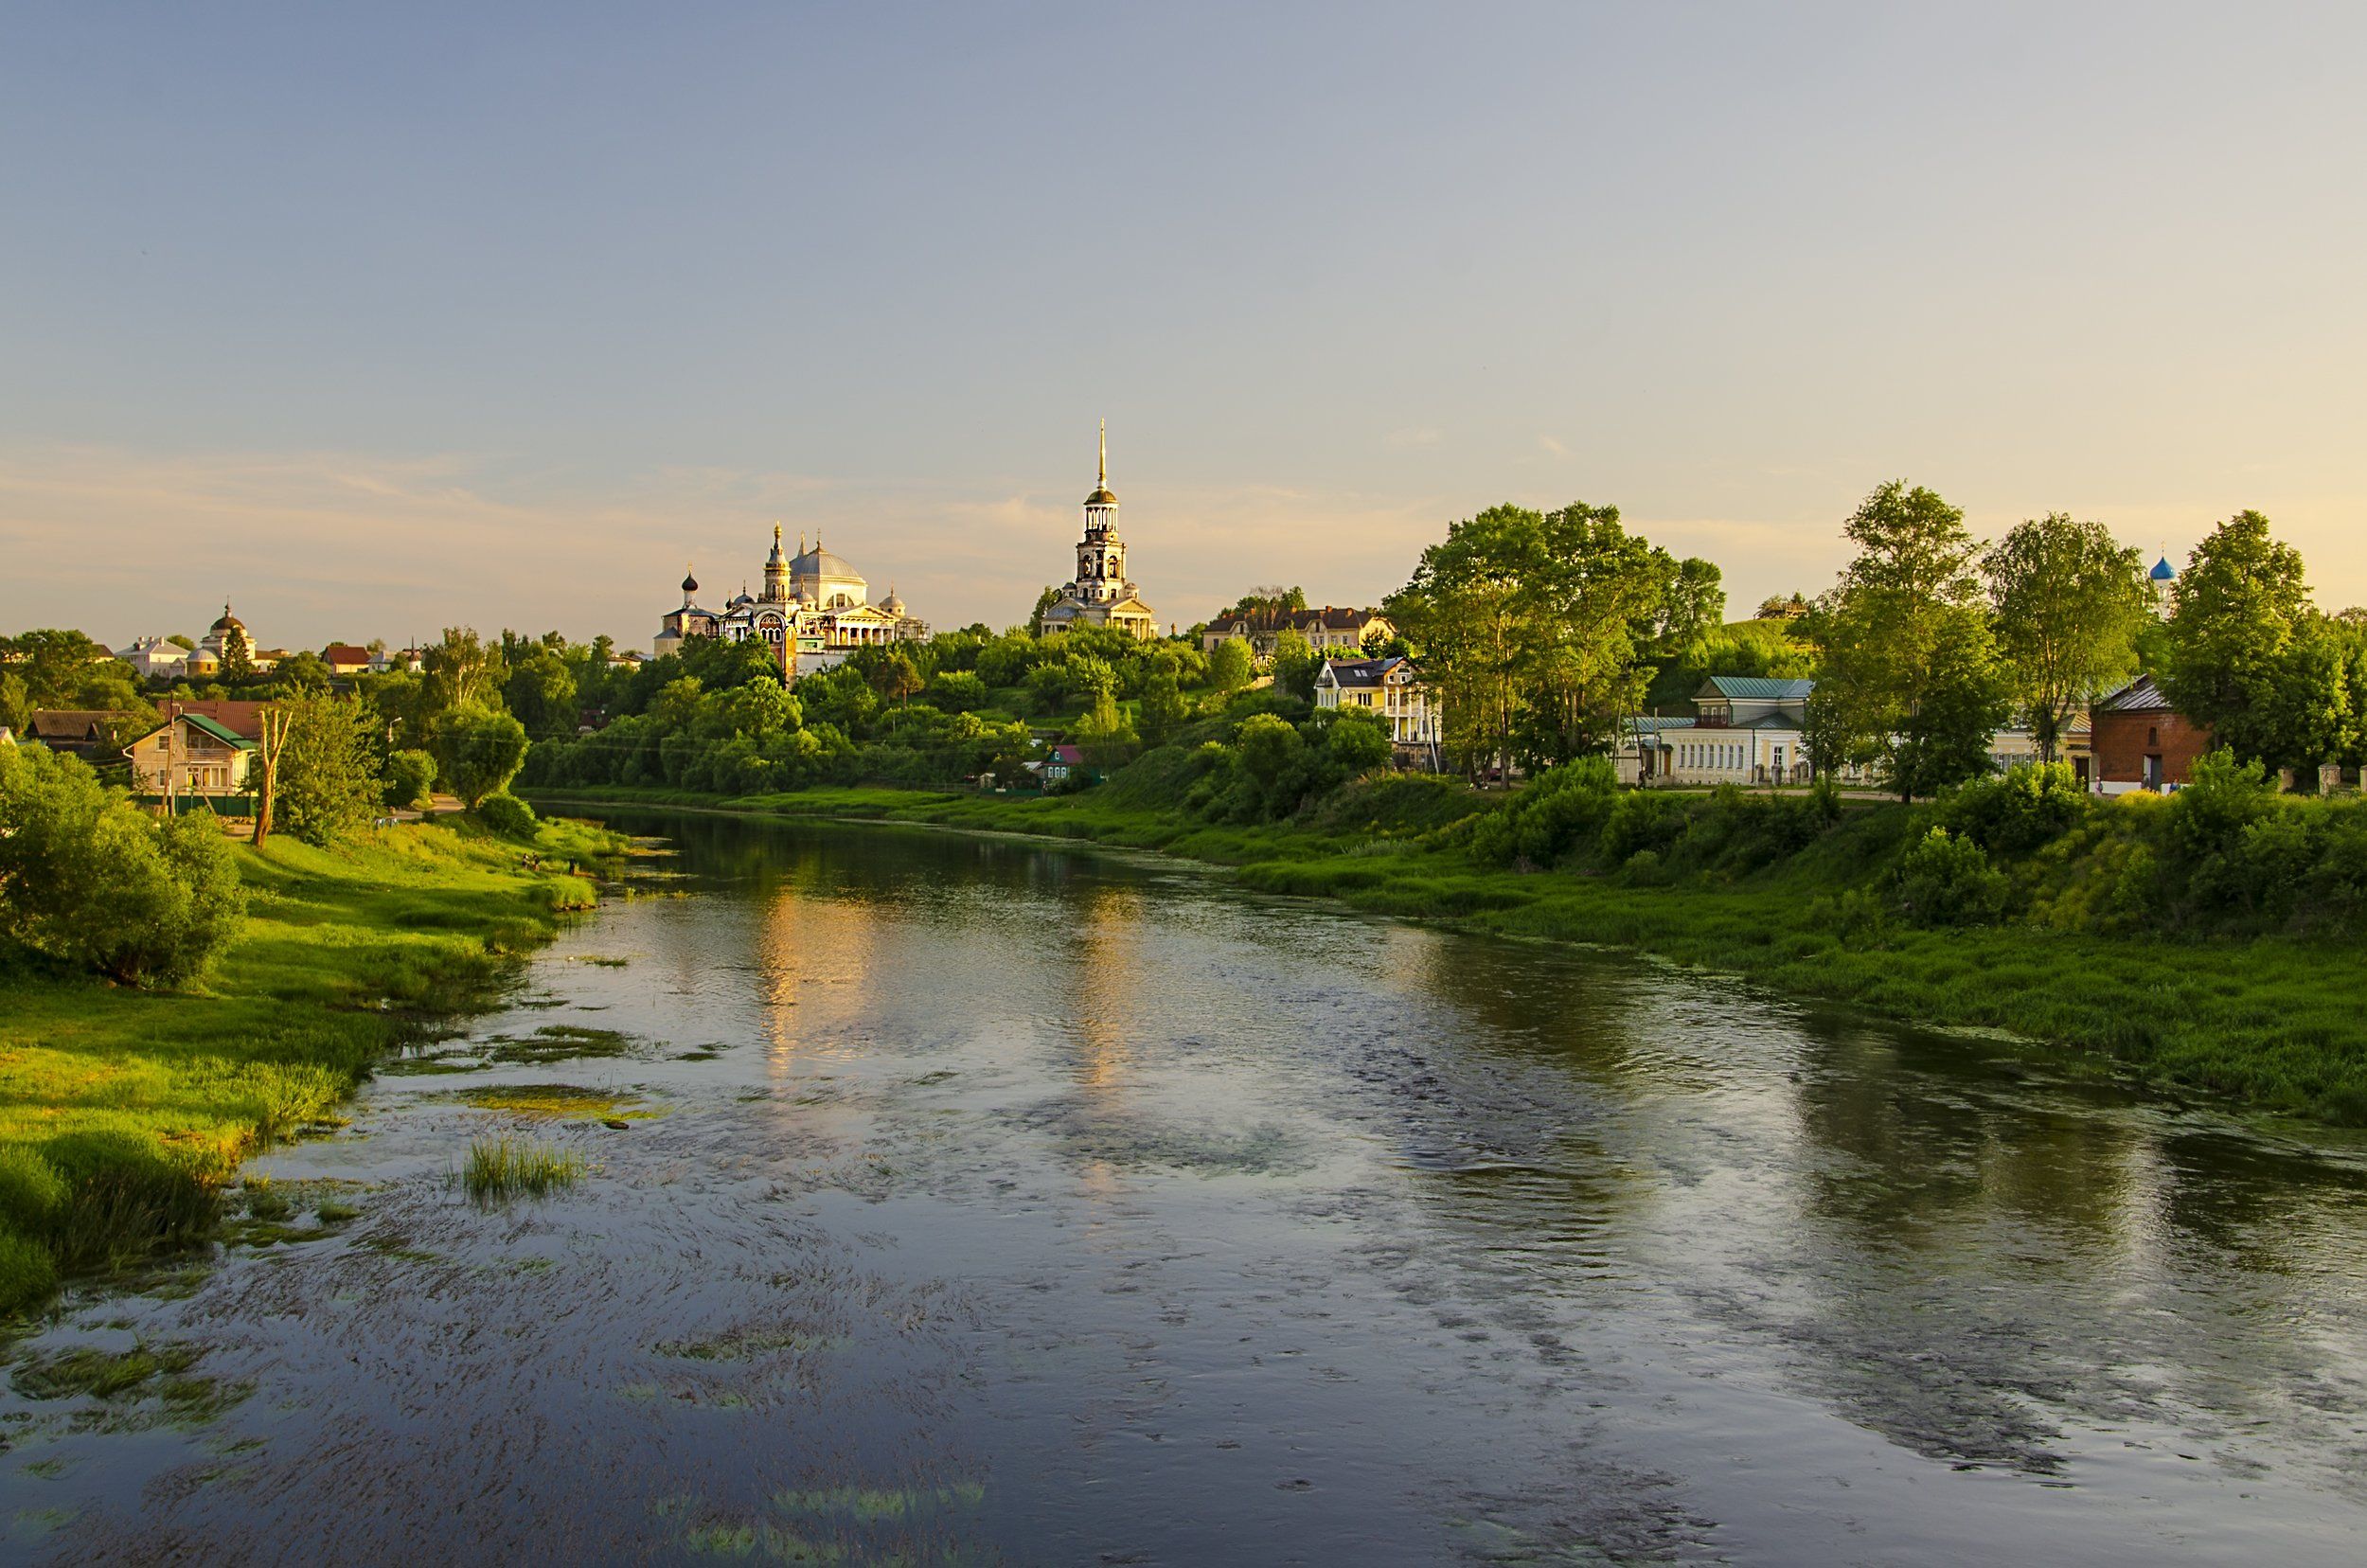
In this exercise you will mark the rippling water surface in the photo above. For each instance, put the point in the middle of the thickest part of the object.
(989, 1202)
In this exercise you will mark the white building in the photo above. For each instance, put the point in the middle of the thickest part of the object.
(815, 607)
(1748, 732)
(1101, 594)
(1392, 690)
(156, 658)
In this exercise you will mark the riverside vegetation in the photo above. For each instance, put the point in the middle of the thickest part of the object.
(2196, 940)
(171, 1000)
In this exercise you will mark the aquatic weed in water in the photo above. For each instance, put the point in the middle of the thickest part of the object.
(500, 1168)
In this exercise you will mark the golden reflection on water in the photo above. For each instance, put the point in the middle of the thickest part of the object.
(820, 954)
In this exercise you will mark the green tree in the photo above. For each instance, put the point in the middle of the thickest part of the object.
(540, 691)
(1357, 741)
(896, 678)
(1590, 598)
(459, 671)
(1295, 665)
(1230, 665)
(2248, 655)
(88, 880)
(1104, 734)
(2070, 602)
(1910, 670)
(407, 776)
(1462, 608)
(1045, 600)
(1162, 707)
(302, 672)
(328, 783)
(479, 751)
(1530, 626)
(1693, 608)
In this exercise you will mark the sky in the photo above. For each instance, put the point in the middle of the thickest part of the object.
(377, 320)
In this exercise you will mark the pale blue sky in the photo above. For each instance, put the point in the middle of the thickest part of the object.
(378, 321)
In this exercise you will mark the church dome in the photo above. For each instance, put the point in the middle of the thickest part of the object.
(689, 584)
(821, 563)
(228, 622)
(1102, 496)
(892, 604)
(2163, 571)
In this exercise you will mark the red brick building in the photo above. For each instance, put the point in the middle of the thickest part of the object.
(2141, 742)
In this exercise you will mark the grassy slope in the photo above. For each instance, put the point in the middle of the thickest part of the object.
(143, 1101)
(2268, 1022)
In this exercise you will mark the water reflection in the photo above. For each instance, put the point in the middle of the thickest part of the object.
(1020, 1204)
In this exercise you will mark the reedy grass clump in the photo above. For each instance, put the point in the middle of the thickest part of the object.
(501, 1169)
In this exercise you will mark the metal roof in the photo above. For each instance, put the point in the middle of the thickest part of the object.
(1762, 689)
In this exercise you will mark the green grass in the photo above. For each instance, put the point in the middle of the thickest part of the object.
(2264, 1022)
(124, 1113)
(501, 1169)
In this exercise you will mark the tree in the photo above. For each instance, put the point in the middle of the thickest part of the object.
(407, 777)
(1231, 666)
(459, 671)
(269, 746)
(2247, 654)
(1531, 624)
(87, 878)
(479, 751)
(328, 783)
(1910, 667)
(896, 678)
(1104, 734)
(187, 644)
(1693, 608)
(1295, 665)
(540, 691)
(1265, 599)
(302, 672)
(1590, 600)
(2069, 601)
(1161, 708)
(1045, 600)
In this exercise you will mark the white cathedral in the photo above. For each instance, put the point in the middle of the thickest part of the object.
(815, 610)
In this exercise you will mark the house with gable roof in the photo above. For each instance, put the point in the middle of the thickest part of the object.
(191, 756)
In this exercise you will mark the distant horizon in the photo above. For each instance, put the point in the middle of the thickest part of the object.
(374, 324)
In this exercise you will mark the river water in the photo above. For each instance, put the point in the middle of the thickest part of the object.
(985, 1202)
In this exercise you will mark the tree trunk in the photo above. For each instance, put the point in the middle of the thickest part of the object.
(275, 735)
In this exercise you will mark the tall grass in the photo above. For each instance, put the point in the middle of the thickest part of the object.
(501, 1169)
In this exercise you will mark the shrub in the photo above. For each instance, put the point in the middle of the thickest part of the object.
(87, 878)
(1947, 881)
(507, 815)
(2015, 812)
(407, 776)
(479, 751)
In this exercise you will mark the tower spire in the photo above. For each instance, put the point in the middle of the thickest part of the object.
(1104, 480)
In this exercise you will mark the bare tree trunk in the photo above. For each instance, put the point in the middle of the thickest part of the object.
(275, 726)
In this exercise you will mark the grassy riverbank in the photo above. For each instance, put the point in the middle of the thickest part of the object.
(2263, 1020)
(123, 1112)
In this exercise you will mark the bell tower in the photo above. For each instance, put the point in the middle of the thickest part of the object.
(1101, 555)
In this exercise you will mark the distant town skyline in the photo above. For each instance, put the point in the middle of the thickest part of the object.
(378, 324)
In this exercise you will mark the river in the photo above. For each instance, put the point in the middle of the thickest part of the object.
(979, 1201)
